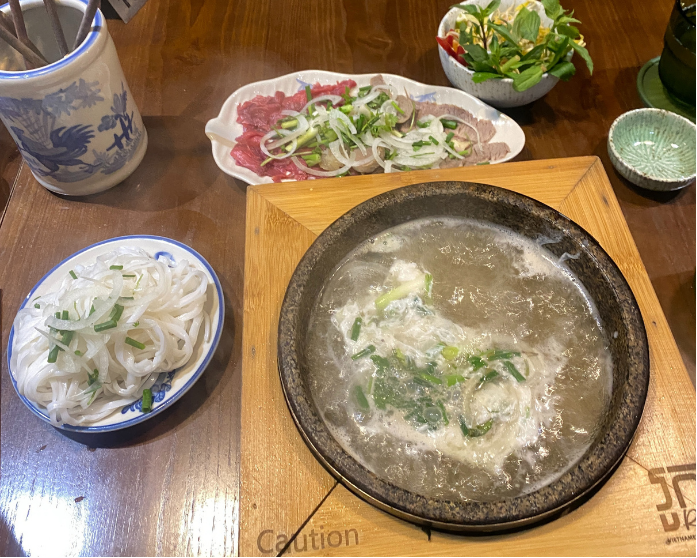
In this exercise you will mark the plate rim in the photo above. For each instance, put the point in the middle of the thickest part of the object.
(168, 402)
(232, 100)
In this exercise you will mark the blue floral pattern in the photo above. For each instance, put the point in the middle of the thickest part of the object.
(58, 152)
(426, 97)
(162, 385)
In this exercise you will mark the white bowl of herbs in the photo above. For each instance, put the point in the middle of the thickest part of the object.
(509, 53)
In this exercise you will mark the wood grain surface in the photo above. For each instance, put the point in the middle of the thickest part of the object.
(172, 488)
(291, 506)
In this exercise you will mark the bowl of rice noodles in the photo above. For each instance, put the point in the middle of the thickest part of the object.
(463, 357)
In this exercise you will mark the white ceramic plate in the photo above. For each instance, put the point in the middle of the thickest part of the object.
(507, 130)
(170, 386)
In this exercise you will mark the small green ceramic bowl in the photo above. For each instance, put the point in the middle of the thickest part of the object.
(653, 148)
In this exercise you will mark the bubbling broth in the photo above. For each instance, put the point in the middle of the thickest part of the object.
(459, 360)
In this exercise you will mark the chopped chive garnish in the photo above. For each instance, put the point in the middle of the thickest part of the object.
(356, 329)
(128, 275)
(57, 315)
(449, 353)
(513, 371)
(423, 124)
(396, 106)
(126, 298)
(442, 410)
(147, 399)
(134, 343)
(266, 161)
(449, 137)
(92, 310)
(53, 354)
(365, 352)
(450, 124)
(109, 324)
(360, 398)
(37, 306)
(434, 141)
(308, 93)
(115, 267)
(65, 315)
(72, 274)
(78, 352)
(116, 312)
(91, 378)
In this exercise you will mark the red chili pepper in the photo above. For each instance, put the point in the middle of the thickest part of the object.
(447, 44)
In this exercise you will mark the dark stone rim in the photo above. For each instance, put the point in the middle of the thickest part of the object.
(610, 445)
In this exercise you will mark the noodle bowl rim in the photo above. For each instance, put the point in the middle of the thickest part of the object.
(209, 348)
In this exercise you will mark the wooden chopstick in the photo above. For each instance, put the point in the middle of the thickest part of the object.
(29, 55)
(6, 22)
(56, 26)
(86, 23)
(21, 34)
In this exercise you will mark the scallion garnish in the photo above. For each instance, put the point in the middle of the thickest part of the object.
(147, 399)
(449, 137)
(109, 324)
(72, 274)
(308, 92)
(115, 267)
(78, 352)
(134, 343)
(37, 306)
(65, 315)
(434, 141)
(356, 329)
(450, 124)
(128, 275)
(396, 106)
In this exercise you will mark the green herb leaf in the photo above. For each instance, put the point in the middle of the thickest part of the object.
(563, 70)
(479, 77)
(568, 30)
(527, 25)
(527, 78)
(480, 429)
(477, 53)
(535, 53)
(553, 8)
(584, 54)
(72, 274)
(506, 33)
(491, 8)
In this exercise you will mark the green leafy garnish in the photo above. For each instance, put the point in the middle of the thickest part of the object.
(513, 44)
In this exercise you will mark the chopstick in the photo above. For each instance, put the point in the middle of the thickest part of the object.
(20, 34)
(86, 23)
(29, 55)
(56, 25)
(6, 22)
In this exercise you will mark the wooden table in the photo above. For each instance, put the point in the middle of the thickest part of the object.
(172, 488)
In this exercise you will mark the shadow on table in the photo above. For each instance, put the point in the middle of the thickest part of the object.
(178, 166)
(181, 410)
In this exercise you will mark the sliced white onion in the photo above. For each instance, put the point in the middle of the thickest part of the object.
(369, 159)
(323, 174)
(303, 126)
(335, 148)
(458, 119)
(101, 307)
(265, 150)
(388, 166)
(376, 153)
(333, 98)
(371, 96)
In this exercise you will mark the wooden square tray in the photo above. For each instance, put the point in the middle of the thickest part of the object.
(289, 504)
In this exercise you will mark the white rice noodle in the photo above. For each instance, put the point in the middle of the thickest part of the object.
(168, 306)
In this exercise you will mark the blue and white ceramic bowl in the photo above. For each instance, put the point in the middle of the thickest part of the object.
(74, 121)
(171, 385)
(653, 148)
